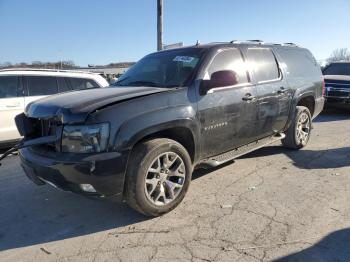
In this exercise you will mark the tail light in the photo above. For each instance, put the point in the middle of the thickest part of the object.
(323, 87)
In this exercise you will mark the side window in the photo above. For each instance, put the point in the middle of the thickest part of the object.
(81, 83)
(41, 85)
(8, 86)
(230, 59)
(263, 62)
(299, 62)
(62, 85)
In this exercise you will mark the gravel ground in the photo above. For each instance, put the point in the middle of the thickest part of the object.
(273, 204)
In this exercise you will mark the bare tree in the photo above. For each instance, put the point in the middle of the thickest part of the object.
(340, 54)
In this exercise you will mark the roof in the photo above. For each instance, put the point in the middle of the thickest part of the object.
(54, 73)
(340, 62)
(44, 70)
(234, 43)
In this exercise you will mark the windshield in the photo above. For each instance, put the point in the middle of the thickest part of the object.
(172, 68)
(337, 69)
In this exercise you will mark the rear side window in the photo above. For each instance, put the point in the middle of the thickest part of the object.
(230, 59)
(81, 83)
(8, 86)
(41, 85)
(62, 85)
(299, 63)
(263, 63)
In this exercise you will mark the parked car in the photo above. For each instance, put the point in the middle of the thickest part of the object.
(172, 111)
(19, 87)
(337, 81)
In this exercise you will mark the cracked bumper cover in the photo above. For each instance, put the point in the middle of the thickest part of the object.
(104, 171)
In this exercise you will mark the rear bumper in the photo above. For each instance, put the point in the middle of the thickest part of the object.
(319, 105)
(104, 171)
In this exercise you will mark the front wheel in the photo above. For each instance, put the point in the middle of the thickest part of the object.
(158, 176)
(298, 134)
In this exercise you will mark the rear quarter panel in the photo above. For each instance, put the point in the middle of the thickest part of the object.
(302, 73)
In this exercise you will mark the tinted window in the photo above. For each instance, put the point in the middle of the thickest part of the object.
(230, 59)
(8, 86)
(41, 85)
(62, 85)
(299, 62)
(263, 63)
(337, 69)
(81, 83)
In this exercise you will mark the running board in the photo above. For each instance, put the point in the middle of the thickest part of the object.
(230, 155)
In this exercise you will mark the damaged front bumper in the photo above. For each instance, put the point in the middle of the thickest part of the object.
(100, 174)
(104, 172)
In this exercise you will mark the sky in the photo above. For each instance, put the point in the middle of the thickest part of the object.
(105, 31)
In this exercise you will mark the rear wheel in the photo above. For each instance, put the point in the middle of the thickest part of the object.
(159, 174)
(298, 134)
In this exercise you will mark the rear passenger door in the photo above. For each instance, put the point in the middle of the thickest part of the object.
(37, 87)
(11, 104)
(82, 83)
(273, 93)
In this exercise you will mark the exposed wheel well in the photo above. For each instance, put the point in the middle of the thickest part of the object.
(308, 102)
(181, 135)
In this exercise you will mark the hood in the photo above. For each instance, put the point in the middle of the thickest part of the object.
(337, 77)
(74, 107)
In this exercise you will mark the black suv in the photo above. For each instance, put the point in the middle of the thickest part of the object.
(337, 81)
(172, 111)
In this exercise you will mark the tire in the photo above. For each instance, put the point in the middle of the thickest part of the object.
(148, 162)
(295, 139)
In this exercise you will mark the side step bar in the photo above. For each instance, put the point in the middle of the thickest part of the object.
(230, 155)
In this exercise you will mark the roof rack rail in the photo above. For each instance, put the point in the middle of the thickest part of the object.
(290, 44)
(260, 42)
(45, 70)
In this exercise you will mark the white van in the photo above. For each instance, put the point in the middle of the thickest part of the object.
(19, 87)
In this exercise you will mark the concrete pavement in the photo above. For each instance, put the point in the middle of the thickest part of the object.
(271, 204)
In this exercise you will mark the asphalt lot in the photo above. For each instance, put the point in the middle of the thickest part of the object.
(271, 204)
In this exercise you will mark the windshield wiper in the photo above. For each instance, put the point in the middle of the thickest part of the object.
(143, 83)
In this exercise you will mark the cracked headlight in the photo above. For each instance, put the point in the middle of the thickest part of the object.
(85, 138)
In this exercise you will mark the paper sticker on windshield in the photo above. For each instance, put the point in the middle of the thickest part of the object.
(185, 59)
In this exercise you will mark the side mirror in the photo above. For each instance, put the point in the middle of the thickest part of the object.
(219, 79)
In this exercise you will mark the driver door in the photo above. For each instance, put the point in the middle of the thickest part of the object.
(227, 114)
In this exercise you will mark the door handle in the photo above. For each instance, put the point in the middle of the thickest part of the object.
(248, 97)
(13, 105)
(281, 91)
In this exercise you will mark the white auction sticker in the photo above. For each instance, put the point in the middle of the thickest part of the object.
(185, 59)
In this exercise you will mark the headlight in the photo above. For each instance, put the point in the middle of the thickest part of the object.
(85, 138)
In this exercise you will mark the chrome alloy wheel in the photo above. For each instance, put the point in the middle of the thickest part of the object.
(303, 128)
(165, 178)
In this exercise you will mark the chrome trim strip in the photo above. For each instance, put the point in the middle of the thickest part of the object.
(216, 89)
(331, 83)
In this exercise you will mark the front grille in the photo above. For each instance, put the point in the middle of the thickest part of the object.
(340, 94)
(46, 127)
(338, 84)
(337, 88)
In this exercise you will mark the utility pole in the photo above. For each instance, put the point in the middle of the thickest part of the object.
(159, 25)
